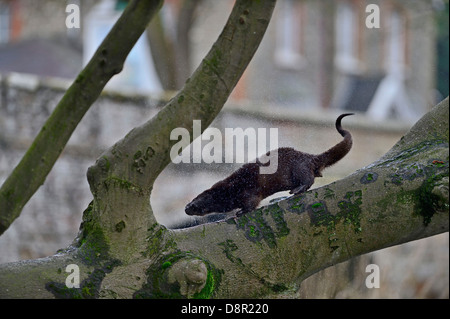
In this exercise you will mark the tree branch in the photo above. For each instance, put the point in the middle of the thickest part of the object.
(107, 61)
(400, 198)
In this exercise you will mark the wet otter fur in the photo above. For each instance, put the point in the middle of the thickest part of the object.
(245, 188)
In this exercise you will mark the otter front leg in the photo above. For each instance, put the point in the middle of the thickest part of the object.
(241, 212)
(299, 190)
(251, 201)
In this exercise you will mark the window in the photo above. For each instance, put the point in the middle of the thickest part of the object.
(346, 26)
(396, 44)
(391, 96)
(5, 22)
(138, 74)
(289, 35)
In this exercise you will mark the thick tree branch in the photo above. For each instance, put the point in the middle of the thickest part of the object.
(107, 61)
(400, 198)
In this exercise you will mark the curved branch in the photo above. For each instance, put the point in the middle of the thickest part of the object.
(402, 197)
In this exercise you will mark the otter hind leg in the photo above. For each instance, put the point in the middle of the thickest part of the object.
(306, 183)
(300, 189)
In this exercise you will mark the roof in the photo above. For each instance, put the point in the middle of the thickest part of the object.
(55, 57)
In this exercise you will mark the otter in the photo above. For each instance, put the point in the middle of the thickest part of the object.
(245, 188)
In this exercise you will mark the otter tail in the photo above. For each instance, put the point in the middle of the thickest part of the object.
(341, 149)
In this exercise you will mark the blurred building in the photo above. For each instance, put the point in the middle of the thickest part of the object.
(331, 54)
(322, 54)
(35, 39)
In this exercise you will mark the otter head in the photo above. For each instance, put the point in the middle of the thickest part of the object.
(201, 205)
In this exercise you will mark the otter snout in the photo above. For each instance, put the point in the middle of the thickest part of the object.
(193, 209)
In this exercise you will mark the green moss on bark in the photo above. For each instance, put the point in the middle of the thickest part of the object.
(159, 285)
